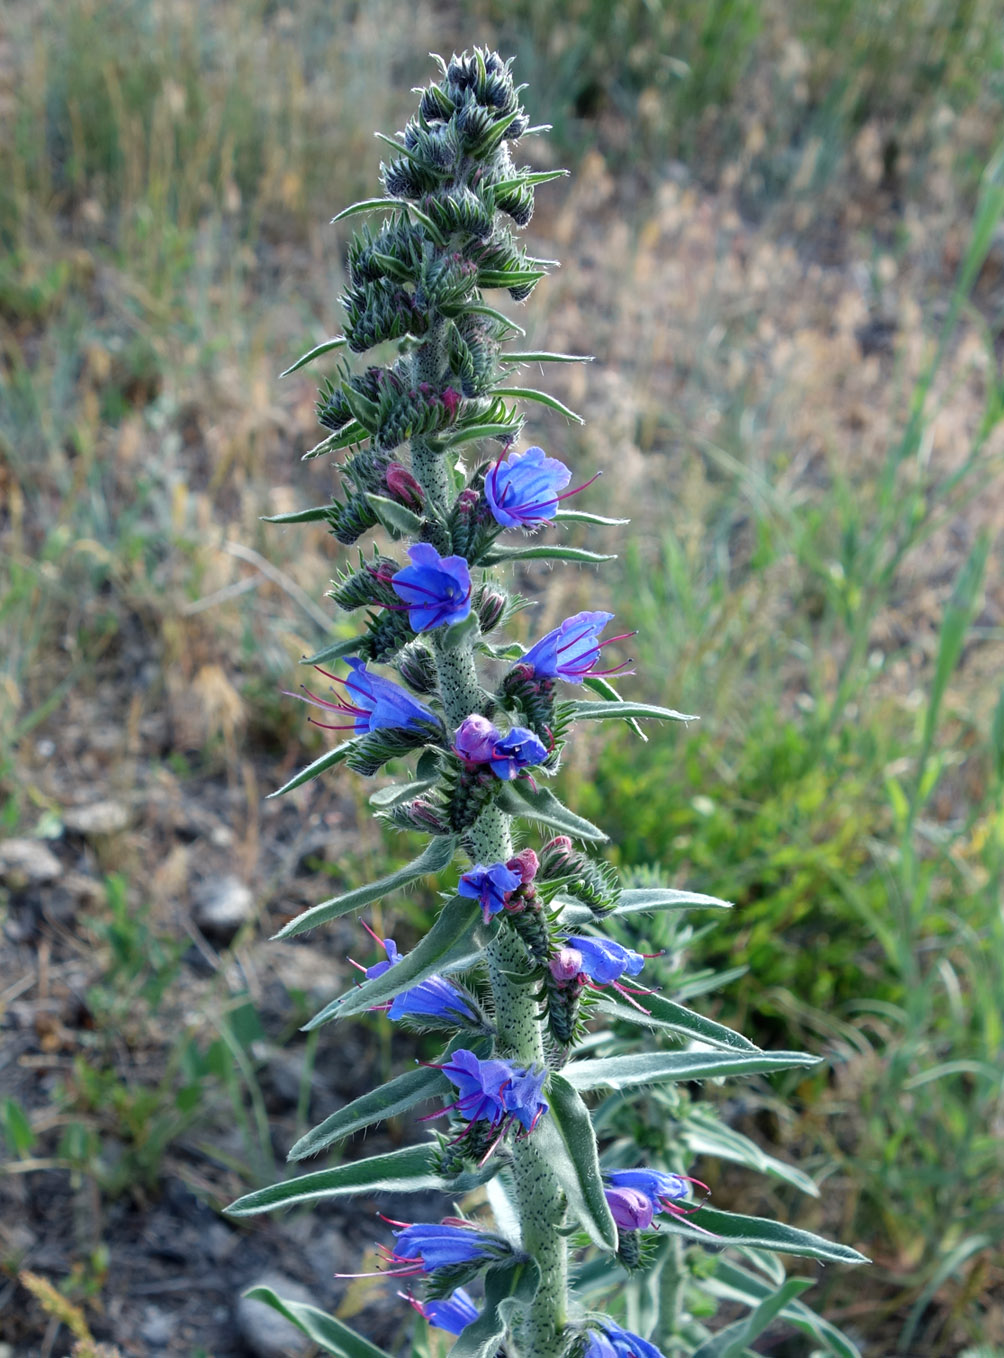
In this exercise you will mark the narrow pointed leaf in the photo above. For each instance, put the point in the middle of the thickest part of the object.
(395, 793)
(456, 940)
(326, 761)
(506, 278)
(352, 433)
(481, 431)
(601, 685)
(394, 517)
(734, 1340)
(330, 1333)
(337, 649)
(545, 356)
(389, 1101)
(581, 516)
(542, 552)
(480, 309)
(565, 1138)
(508, 1288)
(587, 711)
(366, 205)
(410, 1170)
(707, 1136)
(666, 898)
(662, 1013)
(531, 394)
(437, 855)
(731, 1228)
(732, 1282)
(505, 186)
(627, 1072)
(324, 347)
(519, 799)
(312, 515)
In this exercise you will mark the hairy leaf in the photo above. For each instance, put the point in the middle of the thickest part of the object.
(566, 1140)
(508, 1288)
(729, 1228)
(519, 799)
(627, 1072)
(324, 347)
(662, 1013)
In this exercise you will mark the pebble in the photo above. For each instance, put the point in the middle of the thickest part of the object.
(266, 1333)
(157, 1327)
(96, 819)
(27, 861)
(221, 905)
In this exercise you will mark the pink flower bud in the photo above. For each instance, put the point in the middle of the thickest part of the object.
(403, 487)
(566, 964)
(525, 863)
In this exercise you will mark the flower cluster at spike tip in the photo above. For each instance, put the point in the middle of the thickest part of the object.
(371, 703)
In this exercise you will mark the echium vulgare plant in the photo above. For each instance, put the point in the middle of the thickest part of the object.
(599, 1244)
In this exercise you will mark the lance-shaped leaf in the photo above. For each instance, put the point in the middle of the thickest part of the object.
(312, 515)
(733, 1282)
(632, 902)
(395, 793)
(329, 1333)
(352, 433)
(627, 1072)
(388, 1101)
(734, 1340)
(675, 1018)
(581, 516)
(456, 940)
(508, 1288)
(528, 180)
(566, 1140)
(480, 309)
(544, 356)
(518, 798)
(587, 711)
(335, 651)
(703, 1135)
(411, 1170)
(324, 347)
(326, 761)
(437, 855)
(394, 517)
(531, 394)
(732, 1229)
(498, 555)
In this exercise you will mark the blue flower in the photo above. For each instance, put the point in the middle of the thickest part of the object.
(571, 651)
(450, 1313)
(495, 1091)
(474, 739)
(431, 1247)
(390, 948)
(613, 1342)
(436, 589)
(522, 491)
(604, 961)
(370, 702)
(517, 750)
(522, 1097)
(434, 997)
(490, 886)
(661, 1188)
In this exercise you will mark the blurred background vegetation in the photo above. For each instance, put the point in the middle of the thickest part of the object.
(783, 243)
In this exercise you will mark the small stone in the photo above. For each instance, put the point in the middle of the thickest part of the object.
(157, 1327)
(99, 818)
(265, 1332)
(221, 905)
(24, 862)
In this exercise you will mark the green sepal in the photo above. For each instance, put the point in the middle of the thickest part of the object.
(666, 1014)
(639, 1068)
(460, 632)
(410, 1170)
(494, 135)
(531, 394)
(580, 710)
(734, 1340)
(327, 1331)
(394, 517)
(388, 1101)
(324, 347)
(518, 798)
(337, 649)
(544, 552)
(314, 514)
(711, 1226)
(566, 1140)
(326, 761)
(456, 940)
(509, 1287)
(436, 856)
(392, 267)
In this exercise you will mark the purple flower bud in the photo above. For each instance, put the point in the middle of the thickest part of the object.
(572, 650)
(526, 864)
(566, 964)
(467, 501)
(631, 1210)
(436, 589)
(490, 886)
(517, 750)
(522, 490)
(403, 487)
(474, 739)
(604, 961)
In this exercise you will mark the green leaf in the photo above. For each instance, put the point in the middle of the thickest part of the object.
(505, 186)
(312, 515)
(732, 1229)
(662, 1013)
(733, 1341)
(704, 1135)
(626, 1072)
(587, 711)
(481, 431)
(606, 690)
(545, 356)
(479, 309)
(394, 517)
(399, 204)
(331, 1334)
(16, 1127)
(732, 1282)
(542, 552)
(335, 651)
(518, 798)
(509, 278)
(565, 1138)
(326, 761)
(410, 1170)
(395, 793)
(353, 432)
(531, 394)
(436, 856)
(666, 898)
(508, 1288)
(456, 940)
(580, 516)
(324, 347)
(388, 1101)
